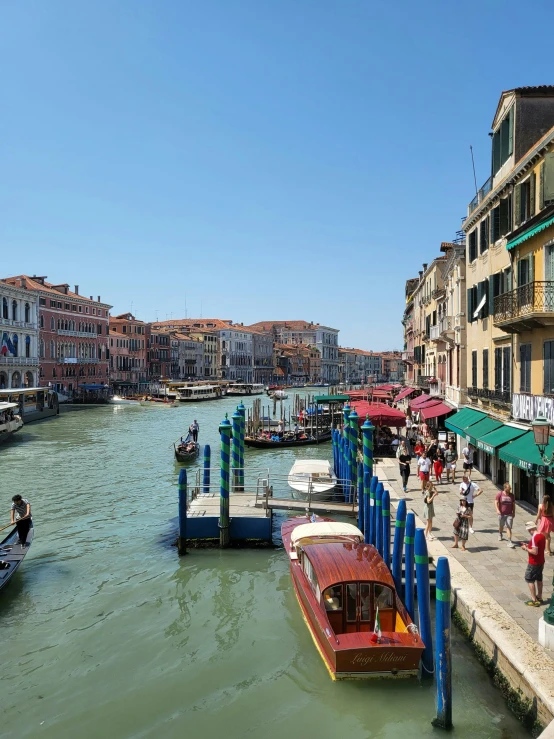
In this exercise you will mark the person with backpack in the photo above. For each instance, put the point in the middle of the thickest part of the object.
(469, 491)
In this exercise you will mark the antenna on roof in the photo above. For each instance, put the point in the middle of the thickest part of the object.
(473, 165)
(186, 315)
(200, 309)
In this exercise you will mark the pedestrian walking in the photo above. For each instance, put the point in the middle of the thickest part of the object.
(545, 521)
(429, 495)
(404, 457)
(424, 467)
(470, 491)
(467, 453)
(450, 459)
(21, 517)
(505, 504)
(438, 465)
(535, 564)
(419, 449)
(461, 525)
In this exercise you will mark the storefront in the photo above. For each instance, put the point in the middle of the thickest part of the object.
(523, 455)
(489, 445)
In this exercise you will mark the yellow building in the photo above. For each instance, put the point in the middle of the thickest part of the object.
(510, 295)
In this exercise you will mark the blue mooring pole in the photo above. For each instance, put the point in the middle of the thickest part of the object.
(424, 601)
(373, 510)
(367, 508)
(399, 528)
(236, 419)
(385, 514)
(353, 449)
(346, 450)
(225, 434)
(409, 565)
(379, 518)
(334, 437)
(443, 653)
(242, 410)
(207, 462)
(361, 520)
(182, 538)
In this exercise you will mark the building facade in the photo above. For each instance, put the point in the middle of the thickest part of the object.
(19, 337)
(190, 354)
(262, 351)
(73, 334)
(236, 354)
(158, 355)
(129, 342)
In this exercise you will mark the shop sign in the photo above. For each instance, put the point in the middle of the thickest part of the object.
(528, 407)
(485, 447)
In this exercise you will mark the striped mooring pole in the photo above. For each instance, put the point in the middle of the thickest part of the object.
(207, 462)
(353, 423)
(334, 437)
(385, 514)
(182, 538)
(242, 410)
(367, 435)
(379, 518)
(424, 601)
(399, 528)
(361, 520)
(373, 510)
(409, 564)
(367, 508)
(345, 449)
(235, 449)
(225, 435)
(443, 651)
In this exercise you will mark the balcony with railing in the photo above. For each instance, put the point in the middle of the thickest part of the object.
(445, 325)
(438, 293)
(500, 397)
(426, 380)
(408, 357)
(21, 361)
(527, 307)
(80, 334)
(481, 195)
(434, 332)
(79, 360)
(16, 324)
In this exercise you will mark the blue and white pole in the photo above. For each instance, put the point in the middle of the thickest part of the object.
(424, 601)
(409, 599)
(443, 653)
(399, 529)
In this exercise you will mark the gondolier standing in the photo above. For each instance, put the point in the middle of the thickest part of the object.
(21, 517)
(193, 430)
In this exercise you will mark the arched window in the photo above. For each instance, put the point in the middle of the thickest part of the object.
(5, 313)
(52, 324)
(41, 348)
(15, 341)
(41, 321)
(54, 373)
(52, 350)
(27, 313)
(27, 346)
(14, 310)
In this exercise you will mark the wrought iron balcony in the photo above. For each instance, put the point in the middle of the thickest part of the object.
(426, 381)
(502, 397)
(526, 307)
(481, 195)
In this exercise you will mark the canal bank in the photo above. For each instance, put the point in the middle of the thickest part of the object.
(107, 632)
(488, 593)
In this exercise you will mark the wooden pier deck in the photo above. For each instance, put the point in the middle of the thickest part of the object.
(240, 504)
(316, 506)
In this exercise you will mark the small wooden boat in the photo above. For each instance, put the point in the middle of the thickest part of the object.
(278, 395)
(347, 596)
(286, 441)
(119, 400)
(12, 555)
(312, 478)
(186, 451)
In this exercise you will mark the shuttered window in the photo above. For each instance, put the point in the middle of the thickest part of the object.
(503, 141)
(548, 367)
(474, 369)
(505, 216)
(525, 368)
(473, 246)
(506, 369)
(484, 235)
(495, 224)
(485, 368)
(498, 369)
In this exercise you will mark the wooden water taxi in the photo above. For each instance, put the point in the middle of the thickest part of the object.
(348, 599)
(12, 554)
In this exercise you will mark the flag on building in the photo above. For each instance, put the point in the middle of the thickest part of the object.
(4, 346)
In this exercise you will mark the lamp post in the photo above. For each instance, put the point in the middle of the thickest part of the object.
(541, 432)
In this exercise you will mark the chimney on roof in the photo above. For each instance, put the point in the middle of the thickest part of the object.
(99, 298)
(424, 266)
(420, 274)
(21, 282)
(91, 297)
(76, 289)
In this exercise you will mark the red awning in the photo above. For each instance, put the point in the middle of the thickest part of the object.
(436, 410)
(405, 393)
(380, 414)
(420, 400)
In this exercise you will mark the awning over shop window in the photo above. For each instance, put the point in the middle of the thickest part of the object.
(405, 393)
(319, 399)
(435, 411)
(481, 428)
(523, 452)
(490, 442)
(460, 421)
(530, 233)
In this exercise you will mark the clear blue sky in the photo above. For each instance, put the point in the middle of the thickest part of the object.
(264, 158)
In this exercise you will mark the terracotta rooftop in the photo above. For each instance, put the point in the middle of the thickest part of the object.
(292, 325)
(125, 317)
(39, 283)
(215, 323)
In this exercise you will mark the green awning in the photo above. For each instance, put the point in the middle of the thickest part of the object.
(523, 452)
(331, 399)
(491, 441)
(530, 233)
(461, 420)
(481, 428)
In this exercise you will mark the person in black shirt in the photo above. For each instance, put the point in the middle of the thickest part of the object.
(403, 456)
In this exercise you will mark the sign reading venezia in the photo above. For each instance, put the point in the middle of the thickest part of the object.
(528, 407)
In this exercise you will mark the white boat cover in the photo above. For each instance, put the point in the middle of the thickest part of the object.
(310, 467)
(324, 529)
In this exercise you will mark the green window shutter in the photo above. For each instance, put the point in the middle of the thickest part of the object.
(549, 177)
(511, 132)
(487, 309)
(517, 206)
(541, 187)
(496, 152)
(532, 183)
(469, 305)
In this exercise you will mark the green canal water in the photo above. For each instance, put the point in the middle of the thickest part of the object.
(107, 633)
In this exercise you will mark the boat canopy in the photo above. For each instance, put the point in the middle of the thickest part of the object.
(7, 406)
(311, 467)
(324, 529)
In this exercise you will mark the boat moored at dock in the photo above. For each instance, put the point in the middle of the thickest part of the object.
(289, 439)
(312, 478)
(33, 403)
(10, 421)
(348, 598)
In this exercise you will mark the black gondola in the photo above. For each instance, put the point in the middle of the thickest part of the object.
(186, 452)
(12, 555)
(286, 443)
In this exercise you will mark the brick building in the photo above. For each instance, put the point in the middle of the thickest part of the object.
(73, 334)
(128, 352)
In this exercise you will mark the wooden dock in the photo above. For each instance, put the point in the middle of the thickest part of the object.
(316, 506)
(240, 504)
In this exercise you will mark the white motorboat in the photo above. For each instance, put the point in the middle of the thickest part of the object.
(10, 421)
(119, 400)
(278, 395)
(312, 478)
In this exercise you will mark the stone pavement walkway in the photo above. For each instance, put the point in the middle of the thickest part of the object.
(498, 569)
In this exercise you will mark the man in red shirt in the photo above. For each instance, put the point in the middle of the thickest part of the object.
(533, 573)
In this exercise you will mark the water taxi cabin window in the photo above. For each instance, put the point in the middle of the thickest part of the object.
(365, 601)
(351, 601)
(332, 598)
(383, 597)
